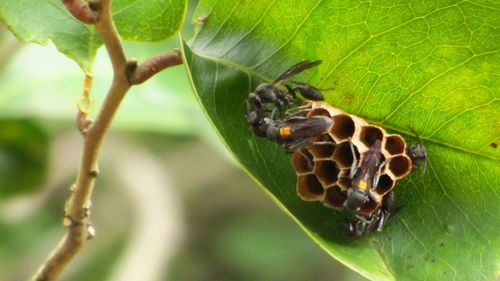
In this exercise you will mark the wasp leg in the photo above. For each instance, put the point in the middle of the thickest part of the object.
(373, 196)
(310, 164)
(424, 166)
(363, 219)
(291, 147)
(388, 202)
(324, 143)
(361, 228)
(381, 220)
(377, 176)
(299, 110)
(354, 160)
(309, 92)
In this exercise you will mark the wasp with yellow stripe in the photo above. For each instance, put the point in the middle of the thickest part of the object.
(365, 176)
(270, 114)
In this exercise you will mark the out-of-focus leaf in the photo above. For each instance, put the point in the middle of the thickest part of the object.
(23, 157)
(148, 21)
(163, 104)
(433, 67)
(39, 21)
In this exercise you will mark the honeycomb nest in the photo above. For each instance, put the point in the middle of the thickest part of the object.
(323, 166)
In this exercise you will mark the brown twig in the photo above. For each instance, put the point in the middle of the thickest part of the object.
(82, 10)
(77, 209)
(153, 65)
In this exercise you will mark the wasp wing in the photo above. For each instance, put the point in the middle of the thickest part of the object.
(296, 69)
(308, 127)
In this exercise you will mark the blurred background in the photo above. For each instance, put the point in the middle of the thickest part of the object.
(170, 204)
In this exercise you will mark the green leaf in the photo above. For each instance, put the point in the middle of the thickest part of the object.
(432, 66)
(148, 20)
(39, 21)
(23, 157)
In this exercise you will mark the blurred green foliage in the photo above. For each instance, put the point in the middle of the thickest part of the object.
(24, 148)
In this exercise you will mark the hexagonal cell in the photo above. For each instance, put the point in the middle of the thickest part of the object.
(369, 134)
(334, 197)
(327, 172)
(400, 166)
(323, 138)
(309, 188)
(394, 144)
(302, 161)
(318, 111)
(343, 154)
(344, 183)
(385, 184)
(343, 127)
(322, 151)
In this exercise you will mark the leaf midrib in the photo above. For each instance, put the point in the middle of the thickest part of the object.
(252, 71)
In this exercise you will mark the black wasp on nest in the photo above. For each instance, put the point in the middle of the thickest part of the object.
(270, 114)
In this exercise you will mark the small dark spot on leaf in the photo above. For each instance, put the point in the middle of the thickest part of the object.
(441, 244)
(426, 259)
(494, 145)
(444, 272)
(433, 260)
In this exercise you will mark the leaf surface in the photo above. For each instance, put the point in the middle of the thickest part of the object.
(434, 67)
(41, 21)
(148, 20)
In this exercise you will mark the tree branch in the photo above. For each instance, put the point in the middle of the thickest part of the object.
(77, 209)
(125, 74)
(153, 65)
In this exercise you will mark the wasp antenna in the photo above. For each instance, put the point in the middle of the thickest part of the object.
(327, 89)
(416, 135)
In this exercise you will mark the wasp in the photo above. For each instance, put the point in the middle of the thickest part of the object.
(365, 176)
(294, 132)
(418, 154)
(270, 114)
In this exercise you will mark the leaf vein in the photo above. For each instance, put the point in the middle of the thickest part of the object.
(292, 35)
(250, 30)
(448, 70)
(464, 214)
